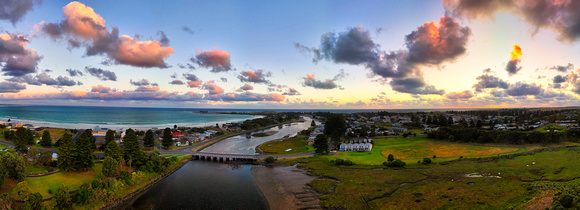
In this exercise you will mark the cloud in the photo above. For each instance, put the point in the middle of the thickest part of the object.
(44, 79)
(16, 60)
(212, 88)
(564, 69)
(193, 81)
(466, 94)
(103, 75)
(310, 81)
(246, 87)
(11, 87)
(489, 81)
(101, 89)
(249, 97)
(163, 38)
(74, 72)
(416, 86)
(187, 29)
(524, 89)
(147, 88)
(217, 60)
(176, 82)
(142, 82)
(291, 92)
(83, 27)
(14, 10)
(255, 76)
(223, 79)
(341, 75)
(560, 79)
(512, 66)
(561, 17)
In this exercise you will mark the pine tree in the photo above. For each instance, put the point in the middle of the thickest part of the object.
(109, 137)
(167, 138)
(149, 140)
(62, 198)
(66, 153)
(321, 143)
(84, 150)
(110, 167)
(89, 134)
(113, 150)
(46, 139)
(29, 137)
(131, 148)
(20, 139)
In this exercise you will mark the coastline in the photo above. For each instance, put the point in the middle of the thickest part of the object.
(285, 187)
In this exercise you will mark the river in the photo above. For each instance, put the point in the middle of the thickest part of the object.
(247, 146)
(212, 185)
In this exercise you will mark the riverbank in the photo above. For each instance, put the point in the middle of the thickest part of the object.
(285, 187)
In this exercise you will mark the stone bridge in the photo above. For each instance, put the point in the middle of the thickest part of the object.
(224, 157)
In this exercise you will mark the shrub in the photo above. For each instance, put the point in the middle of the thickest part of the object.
(339, 162)
(395, 163)
(390, 158)
(270, 159)
(434, 156)
(426, 160)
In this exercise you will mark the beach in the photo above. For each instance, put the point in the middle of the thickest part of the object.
(285, 187)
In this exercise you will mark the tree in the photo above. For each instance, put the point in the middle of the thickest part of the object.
(89, 134)
(312, 124)
(66, 153)
(62, 198)
(167, 138)
(149, 140)
(2, 175)
(270, 159)
(32, 201)
(478, 124)
(175, 126)
(426, 160)
(131, 148)
(335, 128)
(20, 140)
(449, 121)
(110, 167)
(84, 151)
(46, 139)
(390, 158)
(113, 150)
(29, 137)
(33, 154)
(321, 144)
(109, 137)
(45, 158)
(395, 163)
(15, 166)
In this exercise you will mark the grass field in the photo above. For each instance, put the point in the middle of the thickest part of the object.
(296, 145)
(73, 180)
(530, 180)
(551, 126)
(413, 149)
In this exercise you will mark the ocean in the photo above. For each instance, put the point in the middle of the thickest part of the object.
(85, 117)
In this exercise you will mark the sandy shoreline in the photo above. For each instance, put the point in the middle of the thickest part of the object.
(285, 187)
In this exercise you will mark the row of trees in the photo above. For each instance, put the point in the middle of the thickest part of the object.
(505, 137)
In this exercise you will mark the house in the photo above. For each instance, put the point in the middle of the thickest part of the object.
(397, 129)
(359, 147)
(181, 142)
(177, 135)
(99, 130)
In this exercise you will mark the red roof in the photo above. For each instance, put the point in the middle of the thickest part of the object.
(177, 134)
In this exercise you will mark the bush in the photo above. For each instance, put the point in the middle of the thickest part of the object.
(395, 163)
(434, 156)
(426, 160)
(270, 159)
(340, 162)
(390, 158)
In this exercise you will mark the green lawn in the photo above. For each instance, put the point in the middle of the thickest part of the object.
(551, 126)
(412, 149)
(296, 145)
(73, 180)
(36, 169)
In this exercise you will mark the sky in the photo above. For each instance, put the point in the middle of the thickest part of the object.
(291, 54)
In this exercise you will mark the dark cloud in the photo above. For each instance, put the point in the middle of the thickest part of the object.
(217, 60)
(513, 67)
(489, 81)
(488, 70)
(310, 81)
(563, 69)
(190, 77)
(142, 82)
(103, 75)
(467, 94)
(187, 29)
(83, 27)
(231, 97)
(416, 86)
(561, 17)
(223, 79)
(11, 87)
(15, 59)
(186, 66)
(74, 72)
(498, 93)
(163, 38)
(291, 92)
(246, 87)
(560, 79)
(14, 10)
(341, 75)
(176, 82)
(524, 89)
(258, 76)
(44, 79)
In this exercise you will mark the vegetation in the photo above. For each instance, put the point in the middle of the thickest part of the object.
(149, 140)
(66, 153)
(270, 159)
(62, 198)
(167, 141)
(321, 144)
(109, 137)
(46, 139)
(84, 151)
(14, 166)
(334, 127)
(20, 140)
(110, 167)
(132, 149)
(113, 150)
(295, 145)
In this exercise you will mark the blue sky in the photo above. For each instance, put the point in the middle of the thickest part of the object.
(380, 64)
